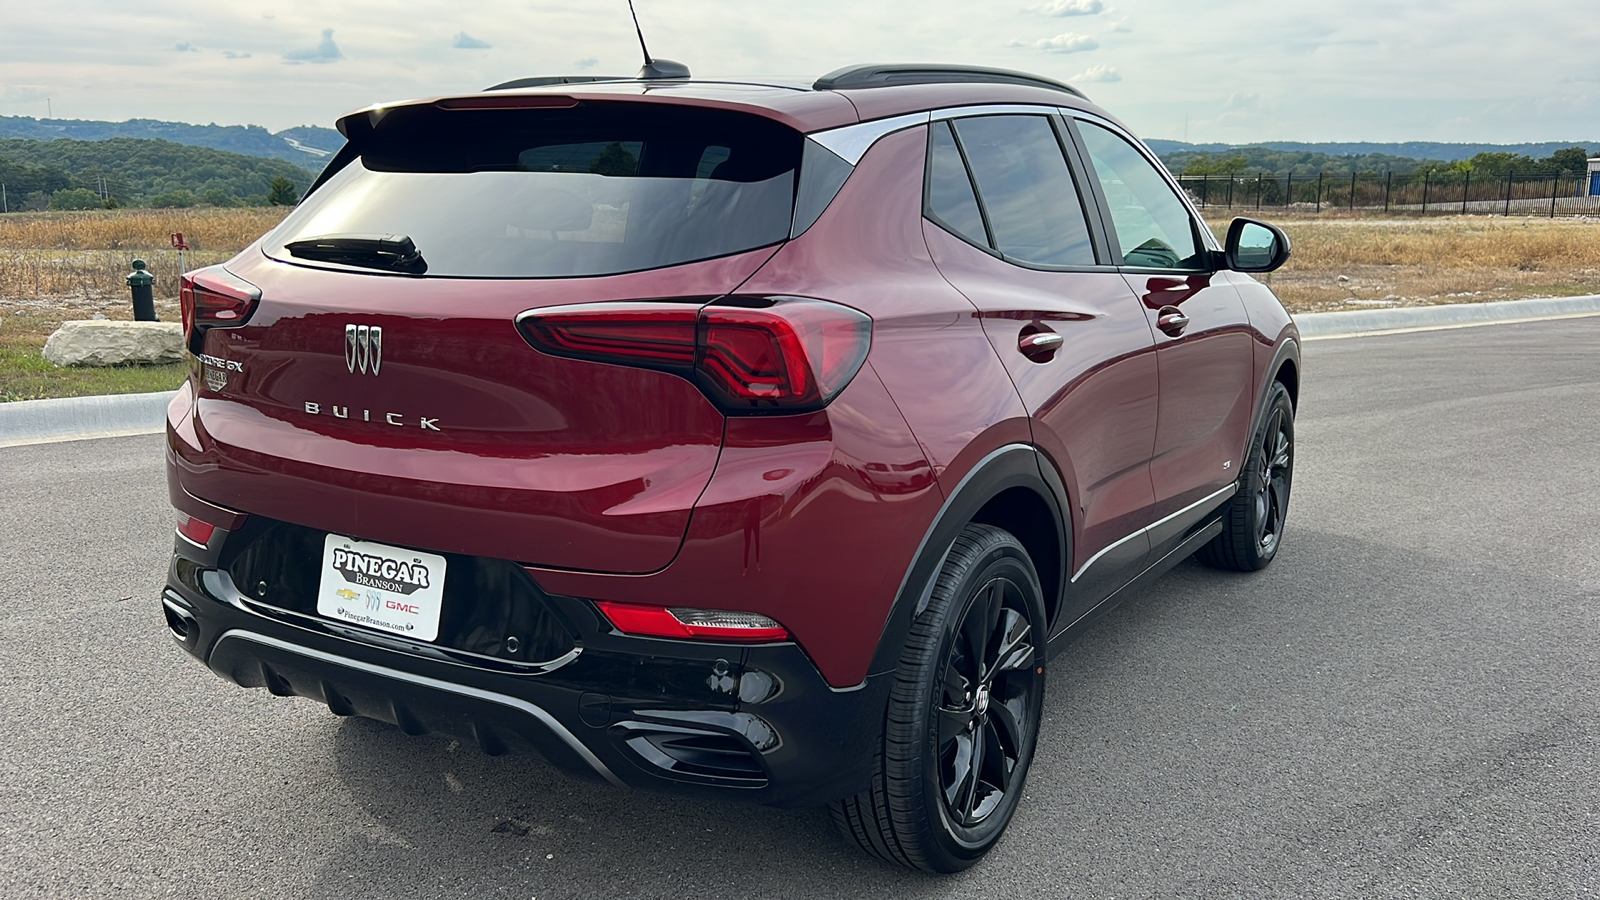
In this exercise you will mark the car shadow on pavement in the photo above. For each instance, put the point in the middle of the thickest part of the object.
(1216, 731)
(446, 820)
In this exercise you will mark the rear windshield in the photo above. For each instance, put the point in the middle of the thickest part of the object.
(597, 189)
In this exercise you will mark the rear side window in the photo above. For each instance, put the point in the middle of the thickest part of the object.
(596, 189)
(1026, 190)
(951, 201)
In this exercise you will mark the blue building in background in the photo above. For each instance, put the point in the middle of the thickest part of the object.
(1594, 177)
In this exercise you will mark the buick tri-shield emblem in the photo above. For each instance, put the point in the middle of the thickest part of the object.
(363, 348)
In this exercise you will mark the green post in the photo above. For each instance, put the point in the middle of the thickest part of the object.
(144, 301)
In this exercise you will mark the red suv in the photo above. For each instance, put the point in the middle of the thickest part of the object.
(730, 438)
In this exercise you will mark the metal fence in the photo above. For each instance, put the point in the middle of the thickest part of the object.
(1425, 194)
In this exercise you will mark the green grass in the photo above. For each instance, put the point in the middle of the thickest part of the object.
(25, 375)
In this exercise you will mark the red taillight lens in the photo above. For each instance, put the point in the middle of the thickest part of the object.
(693, 624)
(215, 296)
(194, 530)
(750, 355)
(657, 335)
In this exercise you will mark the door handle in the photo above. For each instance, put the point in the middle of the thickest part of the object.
(1171, 321)
(1039, 346)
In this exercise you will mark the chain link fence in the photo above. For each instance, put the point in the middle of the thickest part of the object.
(1512, 194)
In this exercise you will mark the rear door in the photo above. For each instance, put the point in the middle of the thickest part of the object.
(1203, 338)
(1006, 225)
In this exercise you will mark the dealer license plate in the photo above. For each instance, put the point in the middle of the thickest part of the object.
(385, 588)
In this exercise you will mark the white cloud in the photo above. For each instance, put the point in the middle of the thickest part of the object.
(584, 65)
(1096, 75)
(466, 41)
(325, 52)
(229, 54)
(1065, 42)
(23, 93)
(1070, 8)
(186, 47)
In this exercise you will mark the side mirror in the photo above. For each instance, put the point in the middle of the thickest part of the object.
(1256, 246)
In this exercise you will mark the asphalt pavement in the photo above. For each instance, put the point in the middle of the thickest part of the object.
(1406, 704)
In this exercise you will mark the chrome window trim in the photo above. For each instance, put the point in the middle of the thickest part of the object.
(1225, 492)
(995, 109)
(523, 706)
(1138, 145)
(850, 142)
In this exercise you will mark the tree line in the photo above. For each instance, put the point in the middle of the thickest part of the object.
(1569, 162)
(68, 174)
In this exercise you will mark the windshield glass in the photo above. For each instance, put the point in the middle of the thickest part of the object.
(593, 190)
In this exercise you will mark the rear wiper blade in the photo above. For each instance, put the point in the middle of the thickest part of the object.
(390, 252)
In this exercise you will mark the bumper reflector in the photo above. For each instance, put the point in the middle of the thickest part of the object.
(693, 624)
(195, 531)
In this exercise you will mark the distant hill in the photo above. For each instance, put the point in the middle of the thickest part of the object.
(139, 172)
(307, 146)
(1413, 149)
(1298, 158)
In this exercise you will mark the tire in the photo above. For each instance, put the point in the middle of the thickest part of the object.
(1252, 526)
(950, 703)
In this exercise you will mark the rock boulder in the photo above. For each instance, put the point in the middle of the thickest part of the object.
(98, 342)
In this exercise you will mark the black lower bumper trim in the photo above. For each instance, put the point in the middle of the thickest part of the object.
(279, 681)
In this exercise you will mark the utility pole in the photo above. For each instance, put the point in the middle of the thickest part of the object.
(5, 205)
(49, 111)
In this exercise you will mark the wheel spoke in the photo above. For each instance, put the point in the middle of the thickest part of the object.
(1007, 719)
(1280, 453)
(969, 796)
(952, 722)
(1015, 652)
(1001, 760)
(961, 773)
(957, 687)
(975, 632)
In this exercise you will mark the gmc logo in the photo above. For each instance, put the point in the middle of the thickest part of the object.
(402, 607)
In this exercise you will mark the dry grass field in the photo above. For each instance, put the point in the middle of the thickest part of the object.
(1356, 263)
(58, 266)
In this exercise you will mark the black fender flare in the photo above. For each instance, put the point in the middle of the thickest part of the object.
(1288, 351)
(1011, 466)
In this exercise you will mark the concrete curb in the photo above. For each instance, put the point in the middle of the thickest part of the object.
(80, 418)
(1430, 318)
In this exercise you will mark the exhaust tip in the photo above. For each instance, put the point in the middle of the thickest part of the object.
(180, 621)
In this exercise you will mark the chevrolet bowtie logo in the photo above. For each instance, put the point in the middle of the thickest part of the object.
(363, 348)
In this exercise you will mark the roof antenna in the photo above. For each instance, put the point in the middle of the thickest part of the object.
(655, 69)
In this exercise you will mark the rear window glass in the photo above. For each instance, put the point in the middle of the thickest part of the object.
(597, 189)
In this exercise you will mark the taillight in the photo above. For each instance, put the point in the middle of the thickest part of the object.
(750, 355)
(215, 296)
(693, 624)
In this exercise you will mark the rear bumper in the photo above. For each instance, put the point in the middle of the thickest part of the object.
(758, 722)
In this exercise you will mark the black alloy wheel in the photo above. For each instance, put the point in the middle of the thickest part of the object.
(1272, 497)
(987, 700)
(1253, 522)
(963, 714)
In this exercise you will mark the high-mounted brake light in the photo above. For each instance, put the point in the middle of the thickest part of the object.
(693, 624)
(509, 101)
(215, 296)
(750, 355)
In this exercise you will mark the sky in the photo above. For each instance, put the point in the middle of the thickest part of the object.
(1231, 71)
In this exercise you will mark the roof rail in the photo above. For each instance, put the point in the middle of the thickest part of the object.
(878, 75)
(542, 80)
